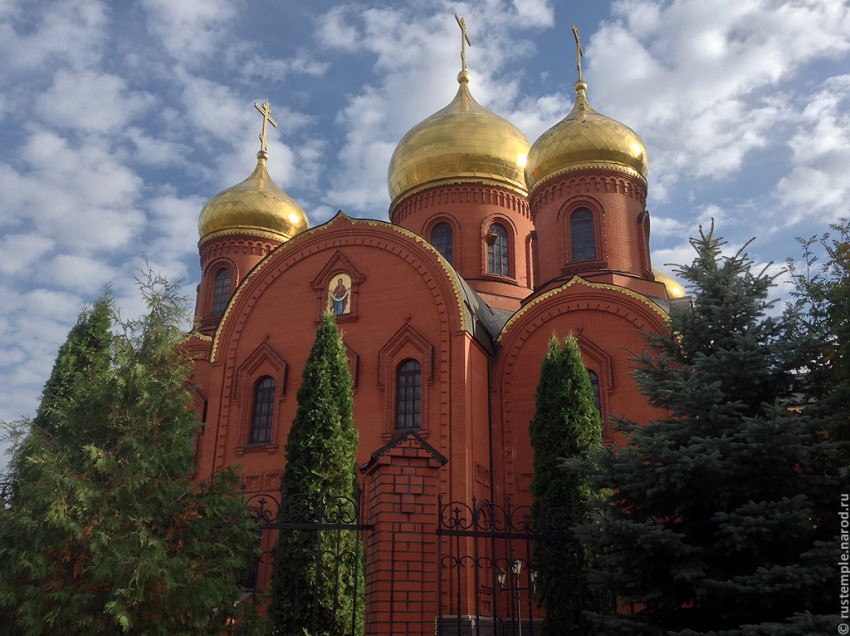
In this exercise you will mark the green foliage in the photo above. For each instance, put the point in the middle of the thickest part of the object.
(723, 517)
(566, 425)
(104, 534)
(319, 573)
(821, 318)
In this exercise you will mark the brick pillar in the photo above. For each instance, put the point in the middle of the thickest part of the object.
(401, 550)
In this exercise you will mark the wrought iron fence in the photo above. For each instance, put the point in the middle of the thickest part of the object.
(323, 540)
(487, 579)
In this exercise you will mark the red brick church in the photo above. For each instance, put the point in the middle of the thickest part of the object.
(493, 245)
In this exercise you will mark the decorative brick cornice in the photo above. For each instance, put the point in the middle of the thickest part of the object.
(442, 194)
(591, 182)
(230, 244)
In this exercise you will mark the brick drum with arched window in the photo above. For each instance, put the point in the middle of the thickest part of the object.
(497, 250)
(583, 235)
(221, 291)
(441, 239)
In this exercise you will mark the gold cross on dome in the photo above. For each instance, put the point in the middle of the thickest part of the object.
(464, 40)
(266, 112)
(579, 52)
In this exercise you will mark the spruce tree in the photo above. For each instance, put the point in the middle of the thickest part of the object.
(104, 533)
(723, 515)
(821, 318)
(566, 425)
(318, 574)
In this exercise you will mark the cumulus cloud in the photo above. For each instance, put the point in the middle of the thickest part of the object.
(191, 30)
(91, 101)
(66, 33)
(410, 86)
(698, 73)
(817, 185)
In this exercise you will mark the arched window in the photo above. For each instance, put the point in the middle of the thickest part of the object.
(594, 384)
(261, 416)
(221, 291)
(497, 250)
(583, 235)
(408, 395)
(441, 238)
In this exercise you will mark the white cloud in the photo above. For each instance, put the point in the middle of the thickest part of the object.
(410, 86)
(19, 252)
(86, 275)
(538, 13)
(78, 194)
(91, 101)
(191, 29)
(67, 33)
(698, 75)
(817, 185)
(661, 227)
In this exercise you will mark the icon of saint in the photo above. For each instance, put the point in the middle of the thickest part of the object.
(339, 297)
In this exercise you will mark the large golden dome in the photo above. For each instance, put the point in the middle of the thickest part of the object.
(585, 139)
(463, 142)
(674, 287)
(255, 206)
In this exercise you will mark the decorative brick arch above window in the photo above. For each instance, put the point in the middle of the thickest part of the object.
(407, 345)
(338, 273)
(499, 247)
(582, 220)
(598, 363)
(218, 283)
(264, 362)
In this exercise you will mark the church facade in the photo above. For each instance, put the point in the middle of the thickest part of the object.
(494, 245)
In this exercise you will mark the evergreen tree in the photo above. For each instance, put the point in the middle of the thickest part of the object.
(104, 533)
(821, 317)
(566, 425)
(723, 516)
(318, 574)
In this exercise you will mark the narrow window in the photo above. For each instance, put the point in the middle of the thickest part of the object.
(221, 292)
(497, 250)
(261, 417)
(408, 395)
(583, 235)
(594, 384)
(441, 238)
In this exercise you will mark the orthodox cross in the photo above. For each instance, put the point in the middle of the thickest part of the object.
(464, 40)
(266, 112)
(579, 52)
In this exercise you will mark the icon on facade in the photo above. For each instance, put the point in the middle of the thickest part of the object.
(339, 295)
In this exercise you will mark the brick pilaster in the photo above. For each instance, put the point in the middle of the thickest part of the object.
(401, 550)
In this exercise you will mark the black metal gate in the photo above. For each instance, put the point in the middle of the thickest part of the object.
(323, 536)
(486, 577)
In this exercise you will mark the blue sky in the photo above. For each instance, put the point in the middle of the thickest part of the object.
(118, 120)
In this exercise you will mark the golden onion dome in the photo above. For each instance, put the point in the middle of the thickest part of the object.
(463, 142)
(674, 287)
(585, 139)
(255, 206)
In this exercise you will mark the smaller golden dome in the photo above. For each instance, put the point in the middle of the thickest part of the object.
(585, 139)
(255, 206)
(674, 287)
(463, 142)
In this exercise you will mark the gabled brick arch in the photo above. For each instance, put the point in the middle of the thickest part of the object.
(338, 263)
(406, 343)
(264, 361)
